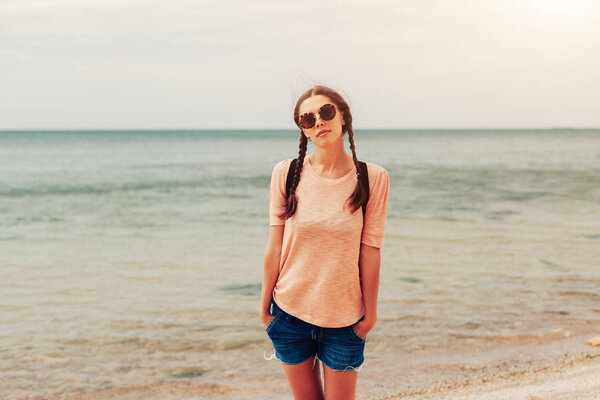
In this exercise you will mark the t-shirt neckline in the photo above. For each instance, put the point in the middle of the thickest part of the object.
(331, 180)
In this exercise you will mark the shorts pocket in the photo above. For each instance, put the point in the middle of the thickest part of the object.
(272, 323)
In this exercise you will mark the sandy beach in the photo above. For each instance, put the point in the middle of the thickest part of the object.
(576, 380)
(573, 380)
(552, 370)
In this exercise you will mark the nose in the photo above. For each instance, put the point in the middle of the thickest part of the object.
(318, 120)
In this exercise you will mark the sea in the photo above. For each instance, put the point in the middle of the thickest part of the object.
(136, 257)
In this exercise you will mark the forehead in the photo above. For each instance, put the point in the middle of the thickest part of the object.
(313, 103)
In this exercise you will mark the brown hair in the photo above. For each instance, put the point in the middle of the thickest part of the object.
(359, 196)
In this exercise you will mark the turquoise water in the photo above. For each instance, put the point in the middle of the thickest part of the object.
(125, 255)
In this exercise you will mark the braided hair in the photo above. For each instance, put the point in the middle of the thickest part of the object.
(359, 196)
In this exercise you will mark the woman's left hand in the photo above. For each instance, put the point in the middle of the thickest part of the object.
(363, 327)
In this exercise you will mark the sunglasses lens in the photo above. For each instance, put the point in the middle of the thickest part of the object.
(327, 112)
(307, 121)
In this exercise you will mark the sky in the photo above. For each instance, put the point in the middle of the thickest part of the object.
(239, 64)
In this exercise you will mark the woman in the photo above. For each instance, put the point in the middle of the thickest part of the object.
(321, 264)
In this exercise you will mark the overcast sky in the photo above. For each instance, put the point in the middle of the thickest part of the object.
(240, 64)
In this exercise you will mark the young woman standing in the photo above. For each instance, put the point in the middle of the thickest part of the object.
(321, 264)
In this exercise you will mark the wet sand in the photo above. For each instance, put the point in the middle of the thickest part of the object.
(521, 368)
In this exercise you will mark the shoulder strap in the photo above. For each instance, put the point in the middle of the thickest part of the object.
(364, 178)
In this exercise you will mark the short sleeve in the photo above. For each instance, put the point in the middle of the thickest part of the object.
(277, 192)
(374, 224)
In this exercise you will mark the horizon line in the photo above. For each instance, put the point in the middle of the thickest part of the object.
(294, 129)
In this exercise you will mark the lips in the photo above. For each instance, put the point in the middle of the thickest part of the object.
(323, 132)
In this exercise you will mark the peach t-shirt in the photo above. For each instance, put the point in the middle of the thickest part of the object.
(319, 280)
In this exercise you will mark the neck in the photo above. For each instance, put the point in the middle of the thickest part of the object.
(330, 158)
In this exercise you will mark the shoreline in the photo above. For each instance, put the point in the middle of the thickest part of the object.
(566, 368)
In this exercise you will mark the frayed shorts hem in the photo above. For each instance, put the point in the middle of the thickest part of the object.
(348, 368)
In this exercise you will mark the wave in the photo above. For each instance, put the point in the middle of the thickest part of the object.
(158, 186)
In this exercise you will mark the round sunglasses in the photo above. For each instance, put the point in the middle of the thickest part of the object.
(326, 112)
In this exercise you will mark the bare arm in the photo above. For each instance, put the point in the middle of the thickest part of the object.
(271, 268)
(369, 263)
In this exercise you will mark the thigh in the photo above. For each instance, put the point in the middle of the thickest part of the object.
(339, 384)
(305, 379)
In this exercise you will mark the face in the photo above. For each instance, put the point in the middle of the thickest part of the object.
(332, 128)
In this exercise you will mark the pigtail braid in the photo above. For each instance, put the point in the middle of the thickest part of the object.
(359, 196)
(292, 200)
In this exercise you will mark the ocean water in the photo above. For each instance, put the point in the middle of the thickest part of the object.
(132, 257)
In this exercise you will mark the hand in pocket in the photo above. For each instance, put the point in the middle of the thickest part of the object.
(266, 320)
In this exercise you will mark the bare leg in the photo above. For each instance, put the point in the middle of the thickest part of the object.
(305, 380)
(339, 385)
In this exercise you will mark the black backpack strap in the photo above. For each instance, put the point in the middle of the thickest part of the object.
(290, 177)
(364, 178)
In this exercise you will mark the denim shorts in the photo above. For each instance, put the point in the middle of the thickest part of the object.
(295, 341)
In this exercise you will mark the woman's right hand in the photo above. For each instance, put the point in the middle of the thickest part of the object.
(266, 319)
